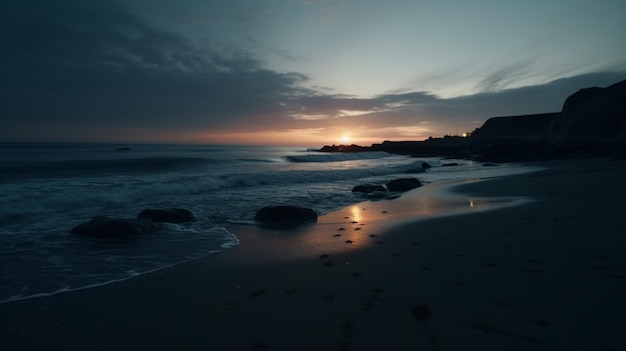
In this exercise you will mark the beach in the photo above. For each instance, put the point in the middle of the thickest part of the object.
(532, 261)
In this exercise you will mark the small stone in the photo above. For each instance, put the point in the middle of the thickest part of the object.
(421, 312)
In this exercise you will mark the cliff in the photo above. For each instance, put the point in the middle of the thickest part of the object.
(592, 122)
(591, 118)
(515, 129)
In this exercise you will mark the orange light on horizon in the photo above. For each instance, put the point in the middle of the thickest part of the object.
(345, 139)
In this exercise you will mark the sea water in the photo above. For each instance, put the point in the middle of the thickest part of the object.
(46, 189)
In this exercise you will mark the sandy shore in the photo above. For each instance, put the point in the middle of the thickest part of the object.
(546, 274)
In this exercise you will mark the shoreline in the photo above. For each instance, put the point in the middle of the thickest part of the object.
(548, 274)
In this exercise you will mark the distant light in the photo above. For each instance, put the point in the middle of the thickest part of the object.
(464, 135)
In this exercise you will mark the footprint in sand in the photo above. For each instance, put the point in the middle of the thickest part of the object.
(257, 293)
(504, 304)
(541, 323)
(367, 306)
(347, 329)
(323, 256)
(337, 235)
(329, 264)
(533, 271)
(259, 346)
(348, 241)
(356, 274)
(421, 312)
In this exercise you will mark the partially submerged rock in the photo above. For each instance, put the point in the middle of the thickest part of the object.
(285, 214)
(368, 188)
(403, 184)
(169, 215)
(106, 227)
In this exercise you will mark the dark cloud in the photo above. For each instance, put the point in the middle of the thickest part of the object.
(93, 63)
(72, 67)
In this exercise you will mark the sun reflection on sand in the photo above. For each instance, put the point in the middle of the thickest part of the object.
(356, 213)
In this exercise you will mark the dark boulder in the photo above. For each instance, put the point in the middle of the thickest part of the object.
(170, 215)
(451, 164)
(285, 214)
(105, 227)
(368, 188)
(403, 184)
(425, 165)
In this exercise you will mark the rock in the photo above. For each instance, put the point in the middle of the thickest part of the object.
(285, 214)
(403, 184)
(425, 165)
(105, 227)
(170, 215)
(421, 312)
(415, 170)
(489, 165)
(368, 188)
(451, 164)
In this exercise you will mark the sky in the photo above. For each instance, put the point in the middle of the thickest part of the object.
(294, 72)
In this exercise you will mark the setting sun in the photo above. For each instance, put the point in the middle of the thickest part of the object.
(345, 138)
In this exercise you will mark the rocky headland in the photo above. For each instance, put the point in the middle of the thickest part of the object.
(592, 122)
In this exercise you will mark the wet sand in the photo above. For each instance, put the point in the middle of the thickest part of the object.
(546, 274)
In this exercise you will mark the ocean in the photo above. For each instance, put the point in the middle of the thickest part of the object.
(46, 189)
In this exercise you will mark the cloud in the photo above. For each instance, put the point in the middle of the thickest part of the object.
(505, 76)
(93, 63)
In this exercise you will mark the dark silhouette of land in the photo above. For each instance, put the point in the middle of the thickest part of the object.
(592, 122)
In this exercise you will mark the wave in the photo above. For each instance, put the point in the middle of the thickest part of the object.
(338, 157)
(84, 264)
(12, 170)
(47, 195)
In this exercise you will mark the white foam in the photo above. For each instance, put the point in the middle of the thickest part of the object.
(337, 157)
